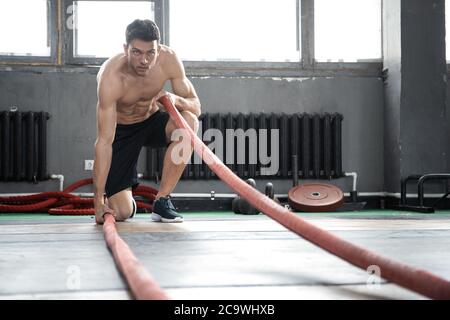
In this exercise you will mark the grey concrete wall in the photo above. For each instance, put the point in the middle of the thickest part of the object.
(392, 53)
(416, 108)
(425, 147)
(70, 98)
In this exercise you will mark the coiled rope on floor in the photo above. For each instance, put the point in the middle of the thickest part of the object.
(66, 203)
(415, 279)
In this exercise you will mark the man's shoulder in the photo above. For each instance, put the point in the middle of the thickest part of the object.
(170, 61)
(168, 55)
(166, 50)
(110, 78)
(111, 69)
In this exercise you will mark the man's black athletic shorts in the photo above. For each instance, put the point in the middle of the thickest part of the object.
(128, 142)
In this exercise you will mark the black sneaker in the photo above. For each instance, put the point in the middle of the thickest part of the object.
(164, 211)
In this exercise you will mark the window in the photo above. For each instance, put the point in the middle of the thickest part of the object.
(347, 30)
(211, 36)
(235, 30)
(99, 26)
(447, 30)
(24, 26)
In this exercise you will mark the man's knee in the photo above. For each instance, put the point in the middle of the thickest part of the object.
(191, 119)
(123, 210)
(122, 214)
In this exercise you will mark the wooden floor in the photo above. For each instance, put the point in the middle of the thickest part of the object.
(216, 256)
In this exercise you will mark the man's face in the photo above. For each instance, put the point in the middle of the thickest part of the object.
(141, 55)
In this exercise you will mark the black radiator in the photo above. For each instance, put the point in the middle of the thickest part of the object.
(314, 138)
(23, 146)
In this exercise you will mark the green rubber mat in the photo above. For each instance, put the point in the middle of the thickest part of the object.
(365, 214)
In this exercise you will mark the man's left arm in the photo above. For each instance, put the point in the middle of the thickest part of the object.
(185, 98)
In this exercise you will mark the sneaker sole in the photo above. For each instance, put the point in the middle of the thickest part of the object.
(157, 218)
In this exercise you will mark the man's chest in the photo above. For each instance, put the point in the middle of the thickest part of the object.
(142, 91)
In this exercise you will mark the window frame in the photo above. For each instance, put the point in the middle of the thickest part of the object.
(53, 31)
(307, 65)
(62, 50)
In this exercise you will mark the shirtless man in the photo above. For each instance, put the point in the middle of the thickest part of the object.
(128, 117)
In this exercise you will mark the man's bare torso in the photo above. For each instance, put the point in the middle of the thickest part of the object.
(137, 97)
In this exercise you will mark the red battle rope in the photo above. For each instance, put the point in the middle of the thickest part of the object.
(65, 203)
(417, 280)
(139, 280)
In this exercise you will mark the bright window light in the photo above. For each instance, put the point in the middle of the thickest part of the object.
(447, 30)
(234, 30)
(100, 25)
(24, 28)
(347, 30)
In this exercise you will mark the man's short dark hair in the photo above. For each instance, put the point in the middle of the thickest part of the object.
(145, 30)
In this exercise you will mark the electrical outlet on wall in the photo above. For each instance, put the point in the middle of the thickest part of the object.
(89, 165)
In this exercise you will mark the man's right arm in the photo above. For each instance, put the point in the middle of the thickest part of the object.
(106, 127)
